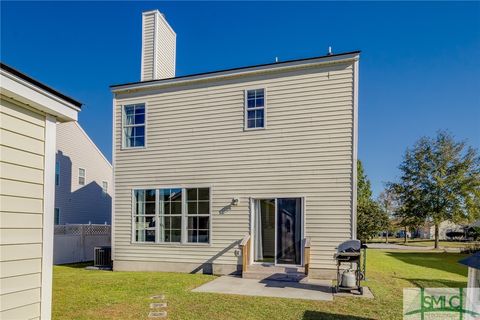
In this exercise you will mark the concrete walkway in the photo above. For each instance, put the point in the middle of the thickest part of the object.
(310, 290)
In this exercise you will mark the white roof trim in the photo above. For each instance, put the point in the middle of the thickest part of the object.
(29, 94)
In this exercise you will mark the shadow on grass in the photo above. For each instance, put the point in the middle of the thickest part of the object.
(437, 283)
(433, 260)
(317, 315)
(80, 265)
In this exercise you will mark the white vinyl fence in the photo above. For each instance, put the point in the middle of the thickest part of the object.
(75, 242)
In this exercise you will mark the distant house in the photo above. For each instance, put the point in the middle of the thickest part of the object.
(220, 171)
(83, 179)
(29, 113)
(444, 228)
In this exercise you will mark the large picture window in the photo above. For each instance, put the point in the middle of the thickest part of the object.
(173, 215)
(133, 126)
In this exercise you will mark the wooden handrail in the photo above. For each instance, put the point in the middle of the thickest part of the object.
(245, 247)
(306, 255)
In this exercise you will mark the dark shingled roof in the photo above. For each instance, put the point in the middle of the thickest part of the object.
(235, 69)
(39, 84)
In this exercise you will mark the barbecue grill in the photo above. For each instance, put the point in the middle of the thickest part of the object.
(349, 252)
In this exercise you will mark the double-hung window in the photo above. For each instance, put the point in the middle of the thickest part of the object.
(81, 176)
(57, 173)
(145, 217)
(56, 217)
(172, 215)
(104, 188)
(198, 212)
(255, 109)
(133, 126)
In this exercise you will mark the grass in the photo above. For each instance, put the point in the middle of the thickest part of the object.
(87, 294)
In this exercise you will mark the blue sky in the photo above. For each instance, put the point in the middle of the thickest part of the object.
(419, 69)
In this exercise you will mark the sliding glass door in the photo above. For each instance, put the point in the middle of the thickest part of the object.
(289, 231)
(277, 231)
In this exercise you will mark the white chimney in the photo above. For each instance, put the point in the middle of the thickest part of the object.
(158, 47)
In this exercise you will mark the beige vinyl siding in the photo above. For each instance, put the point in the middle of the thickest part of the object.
(166, 41)
(196, 136)
(22, 134)
(148, 47)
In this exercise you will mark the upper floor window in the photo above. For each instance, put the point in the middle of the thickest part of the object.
(81, 176)
(104, 188)
(255, 109)
(133, 126)
(57, 173)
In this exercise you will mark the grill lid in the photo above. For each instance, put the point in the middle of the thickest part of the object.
(349, 246)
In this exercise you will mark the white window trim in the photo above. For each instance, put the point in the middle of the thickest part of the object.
(84, 177)
(122, 126)
(245, 108)
(184, 236)
(303, 198)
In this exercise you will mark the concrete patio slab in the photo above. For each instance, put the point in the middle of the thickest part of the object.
(314, 290)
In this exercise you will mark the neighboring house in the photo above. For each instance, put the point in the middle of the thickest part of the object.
(203, 161)
(29, 112)
(83, 179)
(444, 228)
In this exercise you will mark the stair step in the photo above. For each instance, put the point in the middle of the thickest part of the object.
(274, 269)
(283, 276)
(274, 273)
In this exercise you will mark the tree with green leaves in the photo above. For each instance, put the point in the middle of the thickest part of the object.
(386, 200)
(371, 219)
(440, 181)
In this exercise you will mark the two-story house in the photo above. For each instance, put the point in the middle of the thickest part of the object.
(83, 179)
(265, 154)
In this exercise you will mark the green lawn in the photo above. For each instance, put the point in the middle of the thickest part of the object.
(85, 294)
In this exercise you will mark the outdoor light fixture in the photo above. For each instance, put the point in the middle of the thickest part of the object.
(235, 201)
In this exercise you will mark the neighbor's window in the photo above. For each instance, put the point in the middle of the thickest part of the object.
(57, 216)
(57, 173)
(159, 215)
(134, 126)
(198, 213)
(81, 176)
(170, 215)
(255, 109)
(104, 188)
(145, 215)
